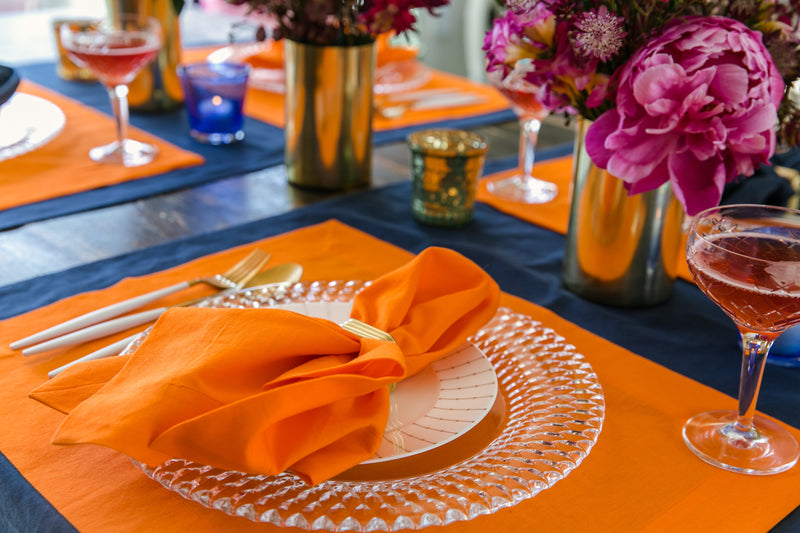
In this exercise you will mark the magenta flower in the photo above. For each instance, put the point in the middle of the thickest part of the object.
(536, 39)
(516, 36)
(695, 106)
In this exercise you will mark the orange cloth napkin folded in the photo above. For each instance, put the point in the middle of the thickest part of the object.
(269, 390)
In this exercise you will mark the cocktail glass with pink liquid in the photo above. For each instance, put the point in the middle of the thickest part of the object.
(115, 51)
(522, 187)
(746, 258)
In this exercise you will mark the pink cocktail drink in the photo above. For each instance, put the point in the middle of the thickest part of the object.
(746, 258)
(114, 59)
(115, 51)
(524, 103)
(753, 277)
(522, 187)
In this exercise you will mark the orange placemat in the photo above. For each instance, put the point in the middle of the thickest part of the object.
(62, 166)
(638, 477)
(553, 215)
(268, 106)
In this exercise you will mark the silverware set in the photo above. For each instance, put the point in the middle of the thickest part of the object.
(394, 106)
(104, 321)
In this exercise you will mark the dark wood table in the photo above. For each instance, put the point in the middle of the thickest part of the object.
(59, 243)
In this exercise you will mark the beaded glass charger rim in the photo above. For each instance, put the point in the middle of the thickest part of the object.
(543, 423)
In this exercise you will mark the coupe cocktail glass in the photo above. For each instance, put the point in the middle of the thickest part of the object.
(115, 51)
(523, 187)
(746, 258)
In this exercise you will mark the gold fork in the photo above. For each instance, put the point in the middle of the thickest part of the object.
(234, 278)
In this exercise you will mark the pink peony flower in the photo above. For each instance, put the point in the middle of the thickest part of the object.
(695, 106)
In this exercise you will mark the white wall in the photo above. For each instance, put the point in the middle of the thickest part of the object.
(453, 41)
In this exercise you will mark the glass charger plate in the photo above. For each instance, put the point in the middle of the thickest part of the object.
(542, 425)
(28, 122)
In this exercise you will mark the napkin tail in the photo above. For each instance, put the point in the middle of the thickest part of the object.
(75, 385)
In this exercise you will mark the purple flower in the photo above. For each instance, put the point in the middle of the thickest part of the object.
(696, 106)
(599, 34)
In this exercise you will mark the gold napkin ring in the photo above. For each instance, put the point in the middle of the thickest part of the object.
(365, 330)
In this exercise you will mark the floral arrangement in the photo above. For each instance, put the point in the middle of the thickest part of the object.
(339, 22)
(687, 91)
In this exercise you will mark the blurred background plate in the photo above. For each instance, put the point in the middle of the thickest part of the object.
(28, 122)
(389, 78)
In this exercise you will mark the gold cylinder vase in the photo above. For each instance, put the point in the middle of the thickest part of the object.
(328, 115)
(156, 87)
(620, 250)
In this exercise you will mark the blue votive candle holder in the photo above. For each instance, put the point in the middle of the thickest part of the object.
(214, 97)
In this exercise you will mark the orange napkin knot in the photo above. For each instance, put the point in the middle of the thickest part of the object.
(270, 390)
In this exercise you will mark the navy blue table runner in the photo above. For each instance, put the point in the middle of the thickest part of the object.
(263, 147)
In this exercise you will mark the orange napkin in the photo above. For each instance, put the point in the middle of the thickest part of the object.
(268, 390)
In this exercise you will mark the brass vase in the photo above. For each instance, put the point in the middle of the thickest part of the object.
(328, 115)
(156, 87)
(621, 250)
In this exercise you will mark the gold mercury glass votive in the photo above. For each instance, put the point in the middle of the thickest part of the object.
(445, 167)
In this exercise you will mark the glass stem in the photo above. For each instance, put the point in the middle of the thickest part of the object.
(119, 106)
(755, 348)
(528, 137)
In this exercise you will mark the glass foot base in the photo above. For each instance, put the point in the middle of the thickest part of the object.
(523, 190)
(765, 449)
(129, 153)
(217, 138)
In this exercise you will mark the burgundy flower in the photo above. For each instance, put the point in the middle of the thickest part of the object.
(695, 106)
(381, 16)
(339, 22)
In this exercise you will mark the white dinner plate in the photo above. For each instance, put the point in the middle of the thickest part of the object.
(432, 408)
(389, 78)
(28, 122)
